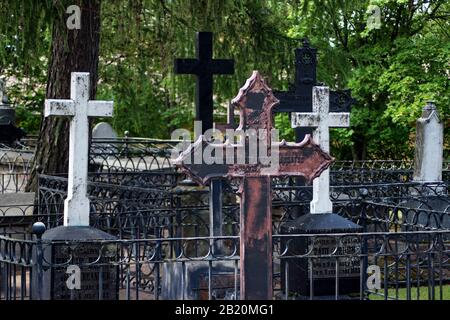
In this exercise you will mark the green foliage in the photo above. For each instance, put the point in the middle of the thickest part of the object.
(392, 71)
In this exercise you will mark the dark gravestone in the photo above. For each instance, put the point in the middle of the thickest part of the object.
(190, 280)
(9, 133)
(322, 270)
(299, 96)
(255, 102)
(79, 246)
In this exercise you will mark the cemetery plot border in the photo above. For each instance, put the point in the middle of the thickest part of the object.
(410, 265)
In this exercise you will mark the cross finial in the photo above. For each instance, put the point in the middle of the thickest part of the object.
(78, 108)
(430, 105)
(305, 42)
(255, 101)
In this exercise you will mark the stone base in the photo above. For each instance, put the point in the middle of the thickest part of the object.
(323, 269)
(97, 282)
(192, 284)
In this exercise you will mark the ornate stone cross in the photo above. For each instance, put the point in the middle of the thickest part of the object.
(78, 108)
(322, 120)
(255, 158)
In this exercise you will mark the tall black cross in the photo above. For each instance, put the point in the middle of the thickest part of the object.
(204, 67)
(299, 96)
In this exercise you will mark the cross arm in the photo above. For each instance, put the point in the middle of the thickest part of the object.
(339, 119)
(186, 66)
(304, 119)
(222, 66)
(59, 107)
(100, 108)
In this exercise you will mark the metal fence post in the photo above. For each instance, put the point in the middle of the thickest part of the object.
(38, 229)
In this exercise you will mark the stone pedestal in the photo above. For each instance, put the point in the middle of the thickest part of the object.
(323, 269)
(191, 280)
(66, 247)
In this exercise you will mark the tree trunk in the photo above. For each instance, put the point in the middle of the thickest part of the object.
(72, 51)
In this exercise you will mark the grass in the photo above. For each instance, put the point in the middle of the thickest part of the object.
(423, 293)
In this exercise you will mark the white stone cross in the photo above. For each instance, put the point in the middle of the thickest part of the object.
(322, 120)
(79, 108)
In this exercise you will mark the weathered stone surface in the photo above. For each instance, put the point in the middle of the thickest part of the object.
(17, 204)
(429, 146)
(103, 130)
(323, 269)
(79, 108)
(98, 280)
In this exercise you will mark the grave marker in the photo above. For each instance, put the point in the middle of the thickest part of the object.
(103, 130)
(255, 102)
(65, 243)
(429, 146)
(321, 119)
(79, 109)
(321, 219)
(204, 67)
(9, 133)
(428, 160)
(299, 96)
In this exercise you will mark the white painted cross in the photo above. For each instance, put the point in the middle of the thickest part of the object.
(322, 120)
(79, 108)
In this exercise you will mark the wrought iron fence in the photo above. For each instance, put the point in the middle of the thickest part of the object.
(407, 265)
(126, 157)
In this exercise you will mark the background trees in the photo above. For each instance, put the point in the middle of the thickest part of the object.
(392, 71)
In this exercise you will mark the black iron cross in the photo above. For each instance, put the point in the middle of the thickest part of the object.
(204, 67)
(299, 96)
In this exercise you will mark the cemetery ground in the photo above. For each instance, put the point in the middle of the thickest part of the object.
(227, 211)
(158, 223)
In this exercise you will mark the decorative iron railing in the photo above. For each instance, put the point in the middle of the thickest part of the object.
(409, 266)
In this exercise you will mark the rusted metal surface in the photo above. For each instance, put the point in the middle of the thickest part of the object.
(256, 239)
(255, 102)
(305, 159)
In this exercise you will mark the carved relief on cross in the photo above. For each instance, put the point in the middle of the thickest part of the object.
(79, 109)
(321, 119)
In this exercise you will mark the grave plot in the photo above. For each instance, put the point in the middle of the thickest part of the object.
(154, 234)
